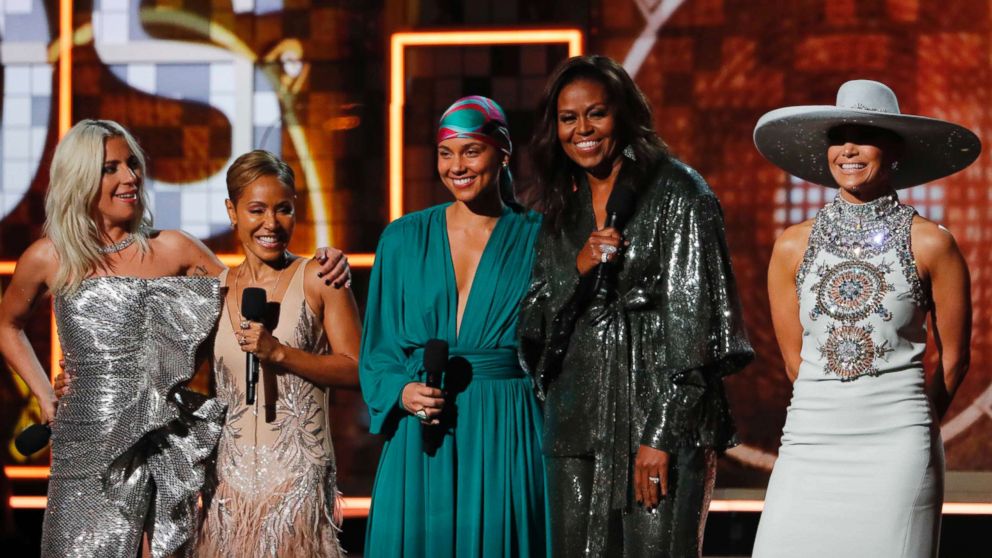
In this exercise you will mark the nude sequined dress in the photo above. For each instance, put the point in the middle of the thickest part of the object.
(861, 467)
(129, 442)
(276, 484)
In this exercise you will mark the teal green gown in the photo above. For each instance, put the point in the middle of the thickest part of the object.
(477, 488)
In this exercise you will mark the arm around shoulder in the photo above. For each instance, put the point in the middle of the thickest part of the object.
(192, 255)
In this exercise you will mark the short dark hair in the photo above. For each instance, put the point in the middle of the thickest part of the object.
(253, 165)
(556, 173)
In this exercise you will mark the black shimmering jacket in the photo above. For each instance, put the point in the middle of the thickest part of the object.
(644, 363)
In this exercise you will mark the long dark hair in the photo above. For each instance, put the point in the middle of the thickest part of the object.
(556, 173)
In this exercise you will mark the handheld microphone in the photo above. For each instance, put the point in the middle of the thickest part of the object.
(32, 439)
(619, 207)
(253, 309)
(435, 360)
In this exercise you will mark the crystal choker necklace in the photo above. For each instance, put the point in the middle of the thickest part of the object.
(861, 229)
(118, 246)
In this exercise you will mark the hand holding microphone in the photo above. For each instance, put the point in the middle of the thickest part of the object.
(252, 309)
(603, 246)
(426, 400)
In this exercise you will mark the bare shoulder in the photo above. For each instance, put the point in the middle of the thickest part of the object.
(791, 244)
(187, 253)
(174, 239)
(316, 292)
(930, 238)
(40, 257)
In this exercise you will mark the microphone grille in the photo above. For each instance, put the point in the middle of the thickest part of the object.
(32, 439)
(435, 355)
(622, 202)
(253, 304)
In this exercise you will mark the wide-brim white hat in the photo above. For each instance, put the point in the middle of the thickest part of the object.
(795, 138)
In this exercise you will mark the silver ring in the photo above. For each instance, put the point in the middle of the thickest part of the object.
(244, 324)
(242, 341)
(421, 414)
(608, 249)
(604, 257)
(655, 480)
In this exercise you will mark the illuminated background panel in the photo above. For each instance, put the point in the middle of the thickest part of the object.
(513, 75)
(712, 68)
(201, 82)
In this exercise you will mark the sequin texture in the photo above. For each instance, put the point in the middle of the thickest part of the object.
(643, 365)
(130, 444)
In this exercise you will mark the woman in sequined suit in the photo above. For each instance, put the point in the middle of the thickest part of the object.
(631, 373)
(276, 492)
(132, 305)
(861, 467)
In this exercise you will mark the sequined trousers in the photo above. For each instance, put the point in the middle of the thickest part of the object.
(129, 443)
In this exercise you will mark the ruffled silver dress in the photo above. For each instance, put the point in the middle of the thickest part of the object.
(130, 442)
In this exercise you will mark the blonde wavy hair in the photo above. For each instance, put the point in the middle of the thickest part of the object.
(72, 221)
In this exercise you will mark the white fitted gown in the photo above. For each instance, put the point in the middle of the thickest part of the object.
(861, 468)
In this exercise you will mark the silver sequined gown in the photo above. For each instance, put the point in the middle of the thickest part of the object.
(129, 442)
(860, 471)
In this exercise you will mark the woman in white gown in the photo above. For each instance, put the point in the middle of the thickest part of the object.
(861, 468)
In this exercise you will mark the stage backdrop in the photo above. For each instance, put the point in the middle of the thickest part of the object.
(201, 82)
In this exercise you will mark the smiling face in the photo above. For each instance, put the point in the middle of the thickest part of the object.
(468, 167)
(860, 158)
(264, 218)
(119, 200)
(586, 124)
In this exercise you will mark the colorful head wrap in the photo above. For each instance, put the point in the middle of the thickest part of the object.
(476, 117)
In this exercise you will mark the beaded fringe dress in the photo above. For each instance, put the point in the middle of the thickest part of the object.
(130, 443)
(276, 483)
(861, 467)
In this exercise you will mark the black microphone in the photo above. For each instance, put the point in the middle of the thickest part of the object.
(619, 207)
(32, 439)
(435, 361)
(253, 309)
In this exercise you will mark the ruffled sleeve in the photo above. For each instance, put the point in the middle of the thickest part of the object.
(705, 337)
(169, 432)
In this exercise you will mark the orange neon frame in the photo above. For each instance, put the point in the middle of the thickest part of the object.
(359, 507)
(397, 77)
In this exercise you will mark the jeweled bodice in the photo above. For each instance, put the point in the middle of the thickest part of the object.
(862, 305)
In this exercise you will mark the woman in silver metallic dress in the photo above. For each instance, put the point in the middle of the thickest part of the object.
(276, 492)
(133, 305)
(850, 293)
(631, 373)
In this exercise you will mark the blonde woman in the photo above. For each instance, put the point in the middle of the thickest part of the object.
(132, 305)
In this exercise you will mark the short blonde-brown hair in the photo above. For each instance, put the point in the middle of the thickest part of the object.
(253, 165)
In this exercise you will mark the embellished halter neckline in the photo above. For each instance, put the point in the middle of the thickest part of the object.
(861, 230)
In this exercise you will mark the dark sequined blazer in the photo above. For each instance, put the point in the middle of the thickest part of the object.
(643, 363)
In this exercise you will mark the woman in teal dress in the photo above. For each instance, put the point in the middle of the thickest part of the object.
(461, 472)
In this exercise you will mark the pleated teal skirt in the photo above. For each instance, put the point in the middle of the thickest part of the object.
(480, 493)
